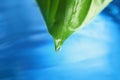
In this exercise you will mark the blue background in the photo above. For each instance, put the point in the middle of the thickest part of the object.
(27, 49)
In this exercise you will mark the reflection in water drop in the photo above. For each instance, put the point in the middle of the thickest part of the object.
(58, 49)
(58, 43)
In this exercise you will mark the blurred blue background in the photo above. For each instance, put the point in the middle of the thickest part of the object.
(27, 49)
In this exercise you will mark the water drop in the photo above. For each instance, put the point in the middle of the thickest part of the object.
(58, 43)
(57, 49)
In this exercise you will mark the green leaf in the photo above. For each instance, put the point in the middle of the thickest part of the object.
(63, 17)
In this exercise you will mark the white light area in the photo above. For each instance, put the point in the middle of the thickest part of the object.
(83, 50)
(89, 66)
(99, 28)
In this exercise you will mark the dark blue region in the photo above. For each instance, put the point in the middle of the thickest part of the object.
(27, 49)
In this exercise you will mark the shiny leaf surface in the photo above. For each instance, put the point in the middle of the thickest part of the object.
(63, 17)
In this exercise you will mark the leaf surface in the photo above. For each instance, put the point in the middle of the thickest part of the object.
(63, 17)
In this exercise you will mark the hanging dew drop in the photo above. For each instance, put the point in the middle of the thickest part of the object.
(58, 49)
(58, 43)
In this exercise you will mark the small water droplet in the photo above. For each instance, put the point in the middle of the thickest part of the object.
(58, 49)
(57, 45)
